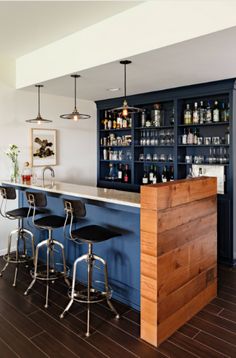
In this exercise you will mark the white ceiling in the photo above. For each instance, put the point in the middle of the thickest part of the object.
(28, 25)
(207, 58)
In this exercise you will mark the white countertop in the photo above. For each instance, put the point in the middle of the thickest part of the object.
(83, 191)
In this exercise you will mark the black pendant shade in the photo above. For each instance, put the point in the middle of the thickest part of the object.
(75, 115)
(39, 119)
(125, 110)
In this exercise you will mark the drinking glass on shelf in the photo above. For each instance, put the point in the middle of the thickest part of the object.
(128, 155)
(148, 156)
(155, 157)
(156, 139)
(162, 158)
(141, 156)
(170, 158)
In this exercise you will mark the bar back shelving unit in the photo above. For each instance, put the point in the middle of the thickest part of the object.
(173, 152)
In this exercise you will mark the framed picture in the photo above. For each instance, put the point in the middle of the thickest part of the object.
(43, 147)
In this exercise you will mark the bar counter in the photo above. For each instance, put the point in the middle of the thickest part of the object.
(168, 242)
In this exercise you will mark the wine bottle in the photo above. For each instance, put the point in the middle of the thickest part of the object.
(164, 175)
(120, 173)
(109, 124)
(208, 117)
(145, 177)
(105, 121)
(202, 113)
(216, 112)
(151, 174)
(154, 179)
(171, 174)
(126, 174)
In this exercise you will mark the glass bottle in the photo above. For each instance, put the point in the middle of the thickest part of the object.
(109, 123)
(227, 136)
(105, 121)
(190, 137)
(216, 112)
(187, 115)
(223, 113)
(164, 175)
(184, 137)
(120, 173)
(150, 175)
(154, 178)
(208, 117)
(195, 114)
(126, 174)
(143, 119)
(228, 112)
(171, 175)
(145, 177)
(202, 113)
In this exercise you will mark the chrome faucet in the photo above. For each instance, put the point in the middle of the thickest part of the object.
(51, 170)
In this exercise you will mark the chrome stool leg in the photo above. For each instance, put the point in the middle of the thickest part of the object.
(17, 257)
(100, 259)
(35, 267)
(48, 268)
(64, 261)
(90, 264)
(72, 290)
(8, 254)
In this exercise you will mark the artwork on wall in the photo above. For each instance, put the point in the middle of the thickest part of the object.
(43, 147)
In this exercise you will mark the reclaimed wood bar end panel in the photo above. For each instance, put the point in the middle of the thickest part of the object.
(178, 254)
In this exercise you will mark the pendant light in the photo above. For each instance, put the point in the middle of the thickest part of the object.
(39, 119)
(126, 109)
(75, 115)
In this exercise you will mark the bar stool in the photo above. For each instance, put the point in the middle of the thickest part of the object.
(49, 223)
(92, 234)
(19, 256)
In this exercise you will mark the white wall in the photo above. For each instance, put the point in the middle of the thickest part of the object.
(76, 141)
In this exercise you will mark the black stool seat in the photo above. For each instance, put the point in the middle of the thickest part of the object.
(21, 213)
(50, 222)
(93, 234)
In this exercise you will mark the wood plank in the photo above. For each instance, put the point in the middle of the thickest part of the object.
(172, 239)
(148, 220)
(177, 216)
(148, 243)
(148, 262)
(186, 312)
(184, 294)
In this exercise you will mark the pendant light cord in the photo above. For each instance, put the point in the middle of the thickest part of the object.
(125, 81)
(75, 93)
(38, 101)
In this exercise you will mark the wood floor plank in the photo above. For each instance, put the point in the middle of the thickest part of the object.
(18, 320)
(212, 309)
(218, 321)
(224, 304)
(188, 330)
(18, 342)
(195, 347)
(173, 351)
(6, 350)
(52, 346)
(214, 330)
(217, 344)
(71, 340)
(133, 316)
(135, 345)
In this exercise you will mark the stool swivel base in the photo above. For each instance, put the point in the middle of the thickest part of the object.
(90, 295)
(18, 257)
(51, 273)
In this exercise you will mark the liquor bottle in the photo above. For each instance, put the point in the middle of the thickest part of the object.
(164, 175)
(227, 137)
(120, 173)
(195, 114)
(109, 124)
(223, 113)
(111, 172)
(152, 139)
(154, 179)
(143, 119)
(190, 137)
(172, 118)
(208, 117)
(150, 175)
(195, 136)
(148, 121)
(202, 113)
(216, 112)
(129, 119)
(156, 115)
(228, 112)
(105, 121)
(114, 123)
(119, 121)
(124, 122)
(187, 115)
(147, 138)
(26, 174)
(171, 174)
(126, 174)
(145, 177)
(184, 137)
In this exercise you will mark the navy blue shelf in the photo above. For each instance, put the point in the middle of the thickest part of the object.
(183, 163)
(154, 146)
(152, 162)
(116, 130)
(116, 161)
(158, 128)
(203, 145)
(205, 124)
(116, 146)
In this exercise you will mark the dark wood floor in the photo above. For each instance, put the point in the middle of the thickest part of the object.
(28, 330)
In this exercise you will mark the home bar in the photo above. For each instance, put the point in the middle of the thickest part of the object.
(117, 192)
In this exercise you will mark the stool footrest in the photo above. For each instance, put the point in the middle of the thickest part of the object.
(22, 258)
(54, 273)
(95, 295)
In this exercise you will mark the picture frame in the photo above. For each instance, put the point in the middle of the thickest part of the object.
(43, 149)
